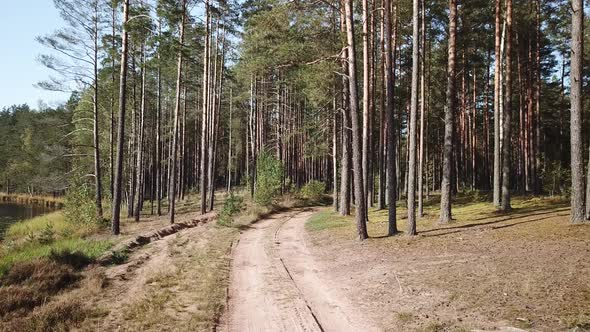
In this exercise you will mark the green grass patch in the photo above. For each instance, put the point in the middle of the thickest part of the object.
(52, 224)
(32, 250)
(326, 220)
(38, 225)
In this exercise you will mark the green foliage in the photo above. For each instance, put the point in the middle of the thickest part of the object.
(30, 251)
(313, 190)
(54, 223)
(32, 146)
(269, 173)
(326, 220)
(80, 208)
(555, 177)
(119, 257)
(232, 206)
(47, 234)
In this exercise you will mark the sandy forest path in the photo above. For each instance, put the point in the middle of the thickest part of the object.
(276, 285)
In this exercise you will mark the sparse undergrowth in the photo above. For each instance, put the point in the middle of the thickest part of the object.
(526, 269)
(32, 294)
(41, 259)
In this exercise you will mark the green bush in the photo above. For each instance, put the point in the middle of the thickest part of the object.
(232, 206)
(313, 190)
(269, 173)
(80, 208)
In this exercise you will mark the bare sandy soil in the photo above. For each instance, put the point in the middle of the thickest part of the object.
(528, 270)
(276, 284)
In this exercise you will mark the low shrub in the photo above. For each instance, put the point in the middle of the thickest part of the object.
(269, 175)
(80, 208)
(232, 206)
(313, 190)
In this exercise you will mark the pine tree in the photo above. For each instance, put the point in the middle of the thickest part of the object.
(445, 200)
(577, 157)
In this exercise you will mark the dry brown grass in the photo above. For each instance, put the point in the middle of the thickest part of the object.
(46, 295)
(27, 285)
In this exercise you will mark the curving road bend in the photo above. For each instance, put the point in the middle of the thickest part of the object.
(276, 285)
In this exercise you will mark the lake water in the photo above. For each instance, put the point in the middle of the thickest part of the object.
(11, 213)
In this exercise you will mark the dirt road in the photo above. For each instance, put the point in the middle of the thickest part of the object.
(276, 285)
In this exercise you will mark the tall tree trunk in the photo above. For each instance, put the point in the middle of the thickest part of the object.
(158, 156)
(212, 116)
(203, 170)
(486, 124)
(389, 48)
(382, 180)
(229, 150)
(497, 101)
(132, 141)
(413, 119)
(445, 200)
(139, 166)
(366, 95)
(345, 164)
(112, 101)
(335, 200)
(97, 170)
(537, 144)
(172, 191)
(361, 213)
(215, 121)
(422, 115)
(121, 122)
(506, 154)
(577, 157)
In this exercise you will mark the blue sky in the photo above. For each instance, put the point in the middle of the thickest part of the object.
(20, 23)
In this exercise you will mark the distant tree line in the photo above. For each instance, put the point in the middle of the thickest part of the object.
(379, 100)
(34, 149)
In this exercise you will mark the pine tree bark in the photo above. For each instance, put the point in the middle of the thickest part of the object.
(506, 147)
(382, 179)
(577, 158)
(389, 48)
(366, 96)
(204, 121)
(158, 157)
(345, 164)
(360, 197)
(112, 101)
(497, 101)
(445, 201)
(97, 169)
(422, 115)
(121, 123)
(215, 124)
(335, 198)
(139, 166)
(413, 119)
(229, 144)
(172, 191)
(212, 121)
(538, 185)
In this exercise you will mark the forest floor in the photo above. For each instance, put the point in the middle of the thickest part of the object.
(529, 269)
(178, 282)
(301, 269)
